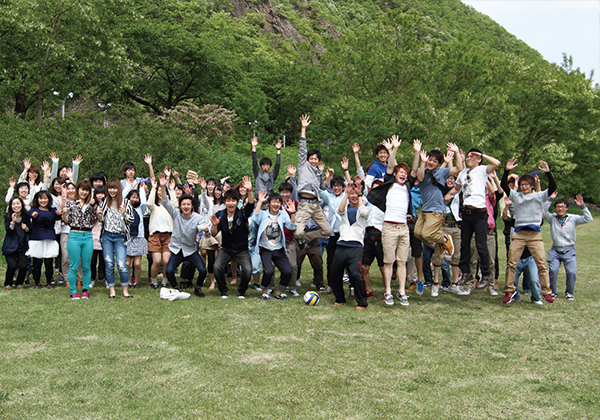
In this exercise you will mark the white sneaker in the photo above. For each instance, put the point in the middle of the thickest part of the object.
(538, 302)
(403, 300)
(388, 299)
(435, 290)
(298, 284)
(346, 278)
(224, 297)
(464, 291)
(294, 293)
(492, 291)
(455, 288)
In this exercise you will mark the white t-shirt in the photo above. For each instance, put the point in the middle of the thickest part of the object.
(396, 204)
(472, 182)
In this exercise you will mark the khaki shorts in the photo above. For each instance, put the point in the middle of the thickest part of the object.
(159, 242)
(395, 240)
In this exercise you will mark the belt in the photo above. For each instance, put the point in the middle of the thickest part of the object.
(373, 238)
(81, 229)
(308, 200)
(469, 210)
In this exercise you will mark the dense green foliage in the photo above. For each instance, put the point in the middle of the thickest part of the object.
(437, 71)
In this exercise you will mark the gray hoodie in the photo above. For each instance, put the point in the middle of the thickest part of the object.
(563, 233)
(310, 178)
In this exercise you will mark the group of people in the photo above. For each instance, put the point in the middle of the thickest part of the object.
(441, 211)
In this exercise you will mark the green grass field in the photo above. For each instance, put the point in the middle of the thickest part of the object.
(447, 357)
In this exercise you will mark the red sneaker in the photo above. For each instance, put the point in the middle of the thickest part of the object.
(549, 298)
(509, 296)
(369, 293)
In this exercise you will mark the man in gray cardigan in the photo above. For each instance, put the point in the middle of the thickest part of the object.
(562, 229)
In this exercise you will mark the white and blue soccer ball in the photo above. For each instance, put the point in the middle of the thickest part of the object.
(311, 298)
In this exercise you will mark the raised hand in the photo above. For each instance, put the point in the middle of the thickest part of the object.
(254, 141)
(162, 180)
(291, 170)
(417, 145)
(344, 163)
(53, 156)
(26, 164)
(579, 200)
(279, 144)
(70, 173)
(214, 220)
(355, 148)
(167, 172)
(423, 155)
(291, 206)
(148, 159)
(452, 147)
(171, 184)
(305, 120)
(510, 165)
(321, 166)
(396, 142)
(544, 166)
(12, 182)
(330, 172)
(187, 189)
(554, 194)
(387, 144)
(47, 169)
(262, 196)
(448, 158)
(202, 183)
(225, 179)
(247, 183)
(78, 159)
(153, 181)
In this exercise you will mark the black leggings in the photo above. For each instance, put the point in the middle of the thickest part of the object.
(99, 262)
(15, 261)
(37, 269)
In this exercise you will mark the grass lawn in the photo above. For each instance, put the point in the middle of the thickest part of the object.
(447, 357)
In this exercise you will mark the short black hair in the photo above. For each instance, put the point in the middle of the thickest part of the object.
(379, 148)
(338, 180)
(127, 166)
(274, 196)
(266, 160)
(286, 186)
(231, 194)
(99, 176)
(22, 184)
(561, 201)
(100, 190)
(437, 155)
(313, 152)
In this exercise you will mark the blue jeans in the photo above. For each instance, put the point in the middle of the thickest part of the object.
(80, 246)
(193, 258)
(528, 267)
(569, 259)
(113, 245)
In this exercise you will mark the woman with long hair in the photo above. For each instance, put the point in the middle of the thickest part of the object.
(137, 246)
(80, 215)
(43, 247)
(160, 228)
(117, 215)
(17, 224)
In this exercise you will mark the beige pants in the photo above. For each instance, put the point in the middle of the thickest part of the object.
(532, 240)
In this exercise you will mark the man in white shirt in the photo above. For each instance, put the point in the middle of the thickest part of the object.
(472, 181)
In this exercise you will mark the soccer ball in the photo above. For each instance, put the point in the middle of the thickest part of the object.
(311, 298)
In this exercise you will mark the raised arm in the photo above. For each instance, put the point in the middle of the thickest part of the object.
(344, 164)
(302, 152)
(255, 168)
(148, 160)
(454, 171)
(76, 163)
(278, 146)
(551, 182)
(415, 166)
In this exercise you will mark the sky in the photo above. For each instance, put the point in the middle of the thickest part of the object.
(552, 27)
